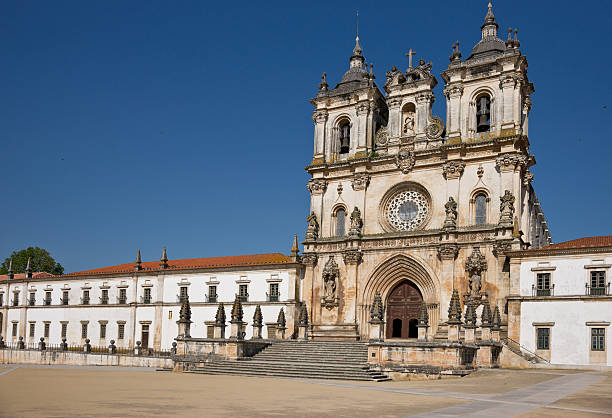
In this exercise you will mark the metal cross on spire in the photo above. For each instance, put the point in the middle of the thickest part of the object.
(409, 55)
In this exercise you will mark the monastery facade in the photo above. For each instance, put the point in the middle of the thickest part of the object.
(409, 215)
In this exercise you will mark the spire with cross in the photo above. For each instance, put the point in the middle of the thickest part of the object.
(409, 55)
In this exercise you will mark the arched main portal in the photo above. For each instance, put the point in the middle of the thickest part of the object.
(403, 305)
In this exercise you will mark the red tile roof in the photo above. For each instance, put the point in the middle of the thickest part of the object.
(35, 275)
(589, 242)
(182, 264)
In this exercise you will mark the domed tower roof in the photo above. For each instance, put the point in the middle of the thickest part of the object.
(490, 44)
(357, 75)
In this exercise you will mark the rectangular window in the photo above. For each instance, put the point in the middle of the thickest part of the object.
(121, 331)
(243, 292)
(32, 329)
(543, 284)
(85, 300)
(122, 296)
(15, 329)
(104, 298)
(83, 330)
(598, 339)
(102, 330)
(273, 292)
(64, 330)
(147, 295)
(183, 293)
(47, 328)
(543, 338)
(598, 283)
(65, 297)
(1, 299)
(15, 299)
(212, 294)
(32, 298)
(48, 298)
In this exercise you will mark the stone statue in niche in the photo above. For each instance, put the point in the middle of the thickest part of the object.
(450, 223)
(356, 223)
(312, 232)
(474, 266)
(408, 129)
(331, 272)
(506, 208)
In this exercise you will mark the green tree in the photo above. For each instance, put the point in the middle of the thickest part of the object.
(41, 260)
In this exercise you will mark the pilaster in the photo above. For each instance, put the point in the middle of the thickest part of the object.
(447, 253)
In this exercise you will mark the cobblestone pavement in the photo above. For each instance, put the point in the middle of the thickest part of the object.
(107, 391)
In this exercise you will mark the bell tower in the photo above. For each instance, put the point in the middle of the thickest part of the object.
(487, 95)
(347, 116)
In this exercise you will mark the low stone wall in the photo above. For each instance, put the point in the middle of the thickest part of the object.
(193, 352)
(422, 357)
(75, 358)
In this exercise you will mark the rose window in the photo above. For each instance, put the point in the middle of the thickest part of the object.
(407, 210)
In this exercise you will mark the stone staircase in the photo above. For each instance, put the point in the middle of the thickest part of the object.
(339, 360)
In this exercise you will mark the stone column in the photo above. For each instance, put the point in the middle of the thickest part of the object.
(423, 323)
(454, 317)
(507, 84)
(352, 259)
(319, 117)
(453, 95)
(219, 331)
(394, 126)
(363, 114)
(310, 261)
(447, 253)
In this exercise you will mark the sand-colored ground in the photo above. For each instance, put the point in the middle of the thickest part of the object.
(47, 391)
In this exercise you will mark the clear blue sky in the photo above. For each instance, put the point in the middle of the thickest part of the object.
(143, 124)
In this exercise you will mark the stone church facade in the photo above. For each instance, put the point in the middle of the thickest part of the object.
(407, 206)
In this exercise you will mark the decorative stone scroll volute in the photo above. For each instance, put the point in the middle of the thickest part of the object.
(184, 322)
(453, 169)
(303, 323)
(360, 181)
(450, 222)
(377, 322)
(448, 251)
(506, 210)
(312, 232)
(352, 257)
(423, 323)
(405, 161)
(257, 323)
(356, 223)
(219, 331)
(331, 273)
(236, 321)
(317, 186)
(474, 266)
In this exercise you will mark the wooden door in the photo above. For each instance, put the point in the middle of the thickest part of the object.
(403, 307)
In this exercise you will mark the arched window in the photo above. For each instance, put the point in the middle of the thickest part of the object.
(345, 136)
(483, 113)
(340, 222)
(480, 203)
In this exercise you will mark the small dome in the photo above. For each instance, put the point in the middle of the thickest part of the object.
(488, 47)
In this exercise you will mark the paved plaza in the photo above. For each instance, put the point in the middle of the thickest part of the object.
(81, 391)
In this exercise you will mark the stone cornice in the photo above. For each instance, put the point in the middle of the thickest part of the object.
(543, 252)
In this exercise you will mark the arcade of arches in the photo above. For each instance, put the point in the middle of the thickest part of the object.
(403, 305)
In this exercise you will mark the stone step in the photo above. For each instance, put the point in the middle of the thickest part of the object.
(294, 372)
(376, 378)
(285, 364)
